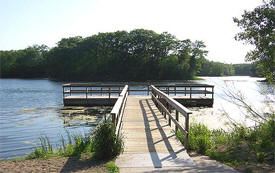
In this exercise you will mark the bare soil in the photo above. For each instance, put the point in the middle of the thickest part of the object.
(55, 164)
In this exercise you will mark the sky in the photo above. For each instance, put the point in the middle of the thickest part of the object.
(24, 23)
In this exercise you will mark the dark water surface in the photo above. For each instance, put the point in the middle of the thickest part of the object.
(31, 108)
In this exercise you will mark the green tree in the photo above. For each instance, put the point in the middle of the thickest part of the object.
(258, 30)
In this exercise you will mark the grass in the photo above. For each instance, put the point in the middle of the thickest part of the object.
(101, 144)
(242, 148)
(111, 167)
(76, 145)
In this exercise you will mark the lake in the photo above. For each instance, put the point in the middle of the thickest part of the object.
(33, 108)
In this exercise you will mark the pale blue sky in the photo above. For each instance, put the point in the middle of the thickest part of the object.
(27, 22)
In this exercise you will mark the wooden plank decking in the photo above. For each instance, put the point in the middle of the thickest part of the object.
(149, 140)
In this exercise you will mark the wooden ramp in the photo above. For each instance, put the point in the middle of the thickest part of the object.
(149, 140)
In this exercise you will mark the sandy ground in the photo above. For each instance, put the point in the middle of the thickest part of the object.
(64, 164)
(57, 164)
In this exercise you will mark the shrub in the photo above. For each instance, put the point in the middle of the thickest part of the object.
(105, 143)
(199, 138)
(111, 167)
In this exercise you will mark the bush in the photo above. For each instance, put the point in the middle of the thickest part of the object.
(105, 144)
(199, 138)
(241, 145)
(111, 167)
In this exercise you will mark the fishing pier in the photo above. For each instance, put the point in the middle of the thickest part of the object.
(148, 117)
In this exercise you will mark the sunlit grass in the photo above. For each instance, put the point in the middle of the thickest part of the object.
(241, 146)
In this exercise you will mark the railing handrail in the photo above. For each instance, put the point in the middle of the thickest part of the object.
(185, 85)
(118, 109)
(165, 108)
(186, 89)
(172, 102)
(91, 85)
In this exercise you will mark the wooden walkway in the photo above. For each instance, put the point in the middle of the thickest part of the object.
(149, 140)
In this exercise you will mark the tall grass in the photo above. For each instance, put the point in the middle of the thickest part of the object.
(74, 146)
(102, 143)
(239, 146)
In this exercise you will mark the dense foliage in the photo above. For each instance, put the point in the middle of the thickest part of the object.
(239, 147)
(210, 68)
(246, 69)
(258, 30)
(137, 55)
(26, 63)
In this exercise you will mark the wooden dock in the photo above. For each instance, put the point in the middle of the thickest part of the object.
(149, 140)
(86, 94)
(148, 125)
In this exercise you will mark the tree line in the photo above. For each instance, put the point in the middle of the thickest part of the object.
(137, 55)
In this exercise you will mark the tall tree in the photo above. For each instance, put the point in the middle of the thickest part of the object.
(258, 30)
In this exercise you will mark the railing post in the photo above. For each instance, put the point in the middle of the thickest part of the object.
(184, 91)
(212, 92)
(168, 90)
(177, 118)
(63, 92)
(187, 130)
(70, 90)
(87, 92)
(190, 92)
(169, 110)
(109, 92)
(148, 90)
(205, 91)
(101, 91)
(114, 119)
(175, 90)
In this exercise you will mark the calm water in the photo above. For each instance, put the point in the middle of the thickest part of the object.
(31, 108)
